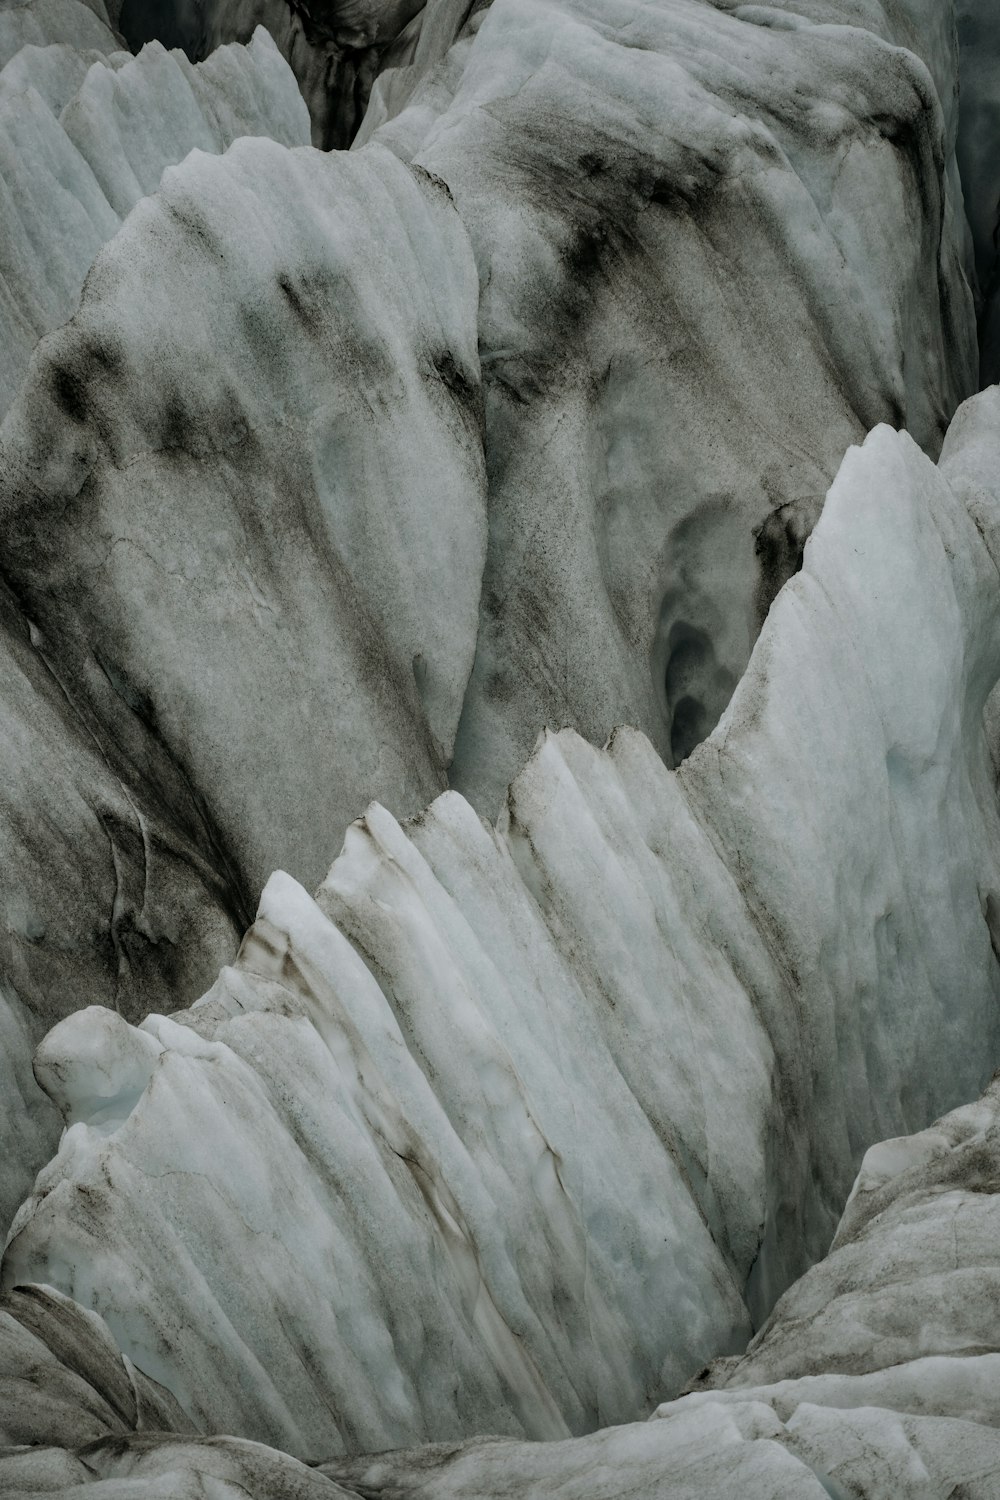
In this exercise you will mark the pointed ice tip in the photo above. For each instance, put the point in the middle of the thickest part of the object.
(280, 889)
(262, 40)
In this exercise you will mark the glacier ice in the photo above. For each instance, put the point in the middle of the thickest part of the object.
(979, 35)
(637, 539)
(335, 48)
(512, 1130)
(96, 887)
(251, 542)
(113, 471)
(44, 23)
(331, 477)
(64, 1382)
(83, 138)
(759, 1427)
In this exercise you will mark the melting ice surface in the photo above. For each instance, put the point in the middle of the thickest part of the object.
(573, 395)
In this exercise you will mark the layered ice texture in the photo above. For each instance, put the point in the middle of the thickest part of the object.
(328, 480)
(86, 134)
(627, 174)
(512, 1130)
(183, 552)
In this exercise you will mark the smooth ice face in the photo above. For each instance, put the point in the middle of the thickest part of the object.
(600, 1084)
(94, 1066)
(688, 312)
(979, 36)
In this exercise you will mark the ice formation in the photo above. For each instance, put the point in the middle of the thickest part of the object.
(979, 32)
(157, 616)
(612, 395)
(84, 137)
(631, 557)
(337, 49)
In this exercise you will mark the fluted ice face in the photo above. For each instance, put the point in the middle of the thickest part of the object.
(252, 545)
(95, 887)
(335, 48)
(43, 23)
(328, 481)
(84, 137)
(121, 879)
(596, 1091)
(631, 177)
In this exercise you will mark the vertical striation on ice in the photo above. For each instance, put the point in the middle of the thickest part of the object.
(509, 1130)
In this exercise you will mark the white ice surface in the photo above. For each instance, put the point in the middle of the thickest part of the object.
(84, 138)
(506, 1130)
(501, 1130)
(41, 23)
